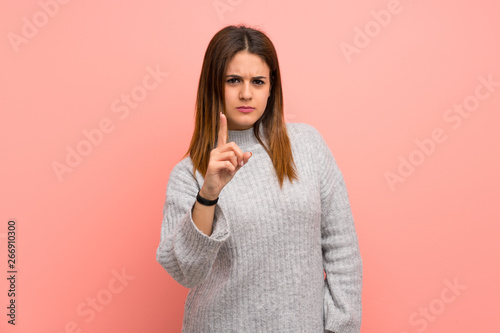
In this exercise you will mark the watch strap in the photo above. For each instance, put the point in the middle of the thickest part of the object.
(204, 201)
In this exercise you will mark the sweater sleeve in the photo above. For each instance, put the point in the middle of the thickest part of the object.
(341, 255)
(185, 252)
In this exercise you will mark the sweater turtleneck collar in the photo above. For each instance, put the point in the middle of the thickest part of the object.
(245, 138)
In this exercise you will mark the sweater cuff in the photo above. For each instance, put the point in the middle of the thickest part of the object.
(197, 239)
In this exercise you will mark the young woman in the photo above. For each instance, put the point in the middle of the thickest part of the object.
(258, 211)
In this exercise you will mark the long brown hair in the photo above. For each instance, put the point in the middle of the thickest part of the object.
(210, 100)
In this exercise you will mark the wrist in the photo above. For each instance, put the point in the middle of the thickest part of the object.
(207, 195)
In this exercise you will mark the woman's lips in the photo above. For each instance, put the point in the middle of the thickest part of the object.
(245, 110)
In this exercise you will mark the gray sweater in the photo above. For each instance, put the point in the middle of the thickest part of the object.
(261, 269)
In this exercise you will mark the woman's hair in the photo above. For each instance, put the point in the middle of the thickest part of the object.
(210, 100)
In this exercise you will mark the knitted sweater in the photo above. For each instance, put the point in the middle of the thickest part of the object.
(262, 268)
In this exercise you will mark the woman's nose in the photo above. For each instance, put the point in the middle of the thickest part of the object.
(246, 92)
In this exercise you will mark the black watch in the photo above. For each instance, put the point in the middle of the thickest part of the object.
(204, 201)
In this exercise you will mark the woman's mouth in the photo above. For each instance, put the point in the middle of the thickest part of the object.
(245, 109)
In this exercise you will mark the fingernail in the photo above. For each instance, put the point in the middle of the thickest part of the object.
(241, 163)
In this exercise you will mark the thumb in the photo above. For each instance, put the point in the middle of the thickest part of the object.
(247, 156)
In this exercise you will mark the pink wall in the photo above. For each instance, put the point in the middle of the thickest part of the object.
(383, 81)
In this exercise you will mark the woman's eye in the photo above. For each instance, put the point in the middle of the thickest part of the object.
(258, 82)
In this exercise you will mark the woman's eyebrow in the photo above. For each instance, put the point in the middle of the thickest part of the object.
(240, 77)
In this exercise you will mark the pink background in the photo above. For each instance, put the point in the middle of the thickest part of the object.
(436, 227)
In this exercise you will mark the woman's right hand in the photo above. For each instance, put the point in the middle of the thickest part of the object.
(225, 160)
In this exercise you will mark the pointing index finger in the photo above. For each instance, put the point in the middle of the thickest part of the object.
(222, 138)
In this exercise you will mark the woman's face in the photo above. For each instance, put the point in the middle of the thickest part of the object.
(247, 84)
